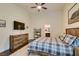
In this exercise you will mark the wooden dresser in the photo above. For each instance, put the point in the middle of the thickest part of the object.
(18, 41)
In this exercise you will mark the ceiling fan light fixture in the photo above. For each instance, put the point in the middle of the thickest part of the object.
(39, 7)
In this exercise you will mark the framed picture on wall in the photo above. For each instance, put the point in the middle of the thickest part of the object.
(73, 14)
(2, 23)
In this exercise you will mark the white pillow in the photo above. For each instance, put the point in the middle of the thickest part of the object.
(61, 37)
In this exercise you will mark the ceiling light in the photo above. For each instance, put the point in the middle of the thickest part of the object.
(39, 7)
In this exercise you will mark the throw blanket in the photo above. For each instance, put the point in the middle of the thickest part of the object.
(51, 46)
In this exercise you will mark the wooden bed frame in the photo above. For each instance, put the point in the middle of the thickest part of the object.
(73, 31)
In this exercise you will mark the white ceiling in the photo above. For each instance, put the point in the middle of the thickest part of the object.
(50, 6)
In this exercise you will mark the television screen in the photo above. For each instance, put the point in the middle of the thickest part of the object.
(19, 25)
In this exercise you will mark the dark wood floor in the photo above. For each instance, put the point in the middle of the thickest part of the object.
(6, 53)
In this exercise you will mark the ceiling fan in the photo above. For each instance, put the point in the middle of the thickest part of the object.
(39, 6)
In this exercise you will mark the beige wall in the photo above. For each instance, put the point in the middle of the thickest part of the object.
(11, 12)
(54, 18)
(66, 25)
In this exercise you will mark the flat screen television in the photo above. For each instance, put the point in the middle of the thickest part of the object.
(19, 25)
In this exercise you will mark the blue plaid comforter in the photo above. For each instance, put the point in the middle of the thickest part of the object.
(51, 46)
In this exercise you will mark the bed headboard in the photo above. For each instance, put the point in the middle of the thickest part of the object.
(73, 31)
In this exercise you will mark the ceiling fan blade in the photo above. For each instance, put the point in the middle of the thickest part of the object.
(42, 3)
(33, 7)
(44, 7)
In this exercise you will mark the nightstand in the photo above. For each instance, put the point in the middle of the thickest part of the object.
(77, 51)
(47, 34)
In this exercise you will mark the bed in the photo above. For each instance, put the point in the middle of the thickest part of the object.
(56, 46)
